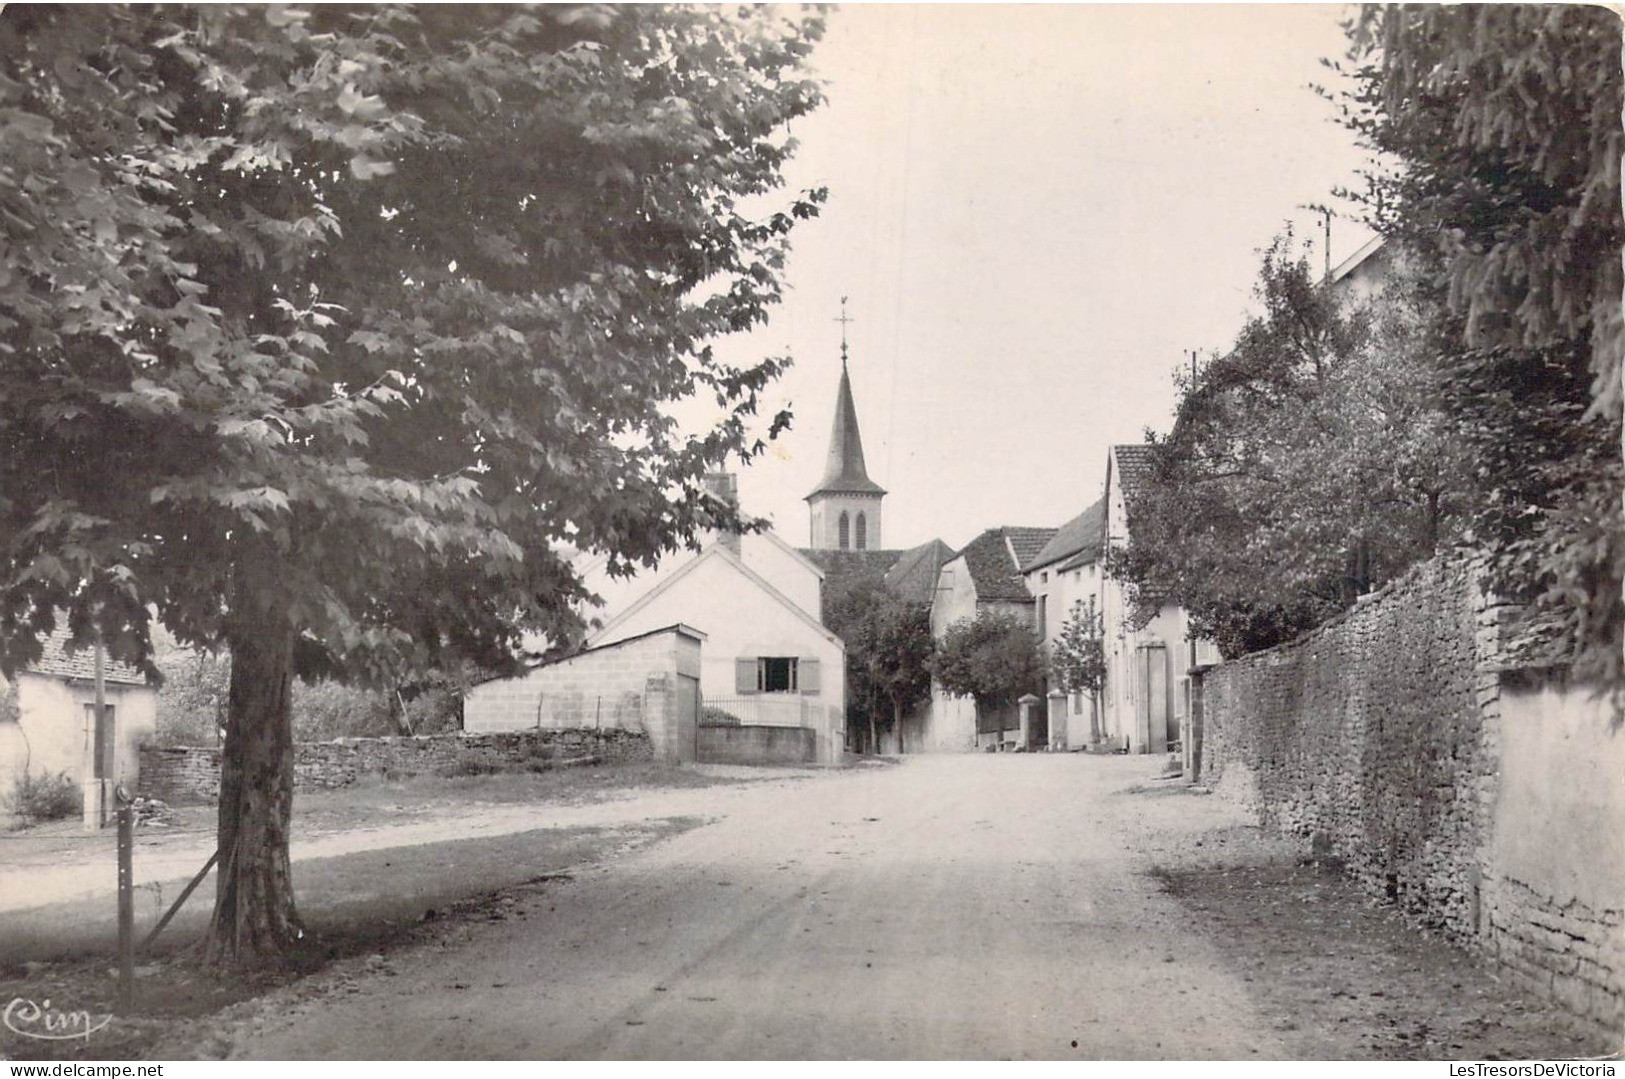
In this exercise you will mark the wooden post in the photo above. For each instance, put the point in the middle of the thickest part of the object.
(126, 903)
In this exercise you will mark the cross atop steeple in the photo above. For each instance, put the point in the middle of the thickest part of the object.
(843, 320)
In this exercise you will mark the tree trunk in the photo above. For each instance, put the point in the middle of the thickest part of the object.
(897, 723)
(254, 915)
(874, 736)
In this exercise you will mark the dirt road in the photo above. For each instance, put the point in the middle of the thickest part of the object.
(947, 907)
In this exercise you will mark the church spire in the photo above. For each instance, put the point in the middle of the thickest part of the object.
(844, 470)
(844, 509)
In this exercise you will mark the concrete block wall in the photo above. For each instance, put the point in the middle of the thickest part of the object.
(630, 685)
(1384, 734)
(191, 774)
(600, 688)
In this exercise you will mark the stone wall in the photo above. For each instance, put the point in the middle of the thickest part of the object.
(1381, 735)
(747, 744)
(191, 774)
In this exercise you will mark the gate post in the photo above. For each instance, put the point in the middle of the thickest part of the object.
(1058, 732)
(1198, 716)
(1027, 703)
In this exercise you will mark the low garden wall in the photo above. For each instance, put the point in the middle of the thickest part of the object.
(1483, 803)
(191, 774)
(749, 744)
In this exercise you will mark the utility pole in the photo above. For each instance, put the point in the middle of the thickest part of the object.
(1327, 216)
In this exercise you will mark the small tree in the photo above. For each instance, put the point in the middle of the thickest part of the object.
(888, 653)
(1077, 658)
(994, 658)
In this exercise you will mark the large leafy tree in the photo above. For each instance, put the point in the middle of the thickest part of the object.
(888, 654)
(324, 332)
(1497, 129)
(1309, 463)
(994, 657)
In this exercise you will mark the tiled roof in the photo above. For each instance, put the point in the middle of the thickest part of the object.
(58, 661)
(1134, 464)
(1078, 541)
(912, 573)
(1027, 542)
(844, 470)
(846, 569)
(915, 575)
(995, 558)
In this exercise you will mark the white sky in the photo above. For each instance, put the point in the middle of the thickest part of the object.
(1037, 211)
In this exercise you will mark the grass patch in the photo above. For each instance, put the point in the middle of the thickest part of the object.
(364, 905)
(1318, 955)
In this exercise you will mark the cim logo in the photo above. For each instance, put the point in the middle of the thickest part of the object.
(30, 1020)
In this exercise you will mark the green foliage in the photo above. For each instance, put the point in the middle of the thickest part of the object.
(888, 652)
(1499, 131)
(9, 712)
(1077, 656)
(192, 705)
(192, 698)
(1313, 461)
(45, 798)
(470, 764)
(718, 717)
(994, 657)
(368, 315)
(328, 333)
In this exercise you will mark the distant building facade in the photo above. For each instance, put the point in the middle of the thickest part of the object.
(1064, 579)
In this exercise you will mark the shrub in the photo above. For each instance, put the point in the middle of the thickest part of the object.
(717, 717)
(45, 798)
(470, 765)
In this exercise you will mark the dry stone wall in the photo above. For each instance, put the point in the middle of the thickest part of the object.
(191, 774)
(1367, 733)
(1380, 735)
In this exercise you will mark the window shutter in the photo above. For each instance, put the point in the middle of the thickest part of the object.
(807, 675)
(745, 674)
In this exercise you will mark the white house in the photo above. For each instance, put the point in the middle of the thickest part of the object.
(55, 728)
(1064, 577)
(984, 576)
(1149, 654)
(767, 658)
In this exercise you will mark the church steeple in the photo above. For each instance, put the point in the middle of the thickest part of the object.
(844, 470)
(845, 506)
